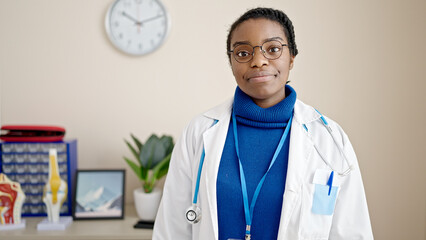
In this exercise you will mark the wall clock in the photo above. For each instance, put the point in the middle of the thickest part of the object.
(137, 27)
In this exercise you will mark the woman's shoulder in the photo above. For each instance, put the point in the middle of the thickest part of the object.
(305, 113)
(218, 113)
(200, 123)
(313, 119)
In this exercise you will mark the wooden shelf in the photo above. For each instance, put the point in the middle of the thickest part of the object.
(84, 229)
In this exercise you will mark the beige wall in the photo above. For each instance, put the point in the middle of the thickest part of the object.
(361, 63)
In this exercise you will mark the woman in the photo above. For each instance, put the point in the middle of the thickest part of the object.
(269, 166)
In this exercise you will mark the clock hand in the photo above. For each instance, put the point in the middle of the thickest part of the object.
(137, 15)
(150, 19)
(131, 18)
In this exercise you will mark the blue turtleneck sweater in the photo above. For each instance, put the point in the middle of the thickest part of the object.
(259, 132)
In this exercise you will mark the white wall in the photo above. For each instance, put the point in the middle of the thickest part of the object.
(361, 63)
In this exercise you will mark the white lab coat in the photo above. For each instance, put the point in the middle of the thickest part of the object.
(350, 219)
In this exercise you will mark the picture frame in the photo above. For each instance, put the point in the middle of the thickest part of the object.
(99, 194)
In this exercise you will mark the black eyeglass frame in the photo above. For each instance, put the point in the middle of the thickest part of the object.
(261, 49)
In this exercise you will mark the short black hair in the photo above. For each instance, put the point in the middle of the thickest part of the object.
(270, 14)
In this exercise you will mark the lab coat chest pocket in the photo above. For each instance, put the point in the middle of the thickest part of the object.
(318, 202)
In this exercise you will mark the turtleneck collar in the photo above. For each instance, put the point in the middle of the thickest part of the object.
(248, 113)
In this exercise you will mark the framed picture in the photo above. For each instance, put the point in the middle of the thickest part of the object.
(99, 194)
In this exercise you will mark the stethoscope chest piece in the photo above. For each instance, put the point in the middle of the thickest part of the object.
(193, 214)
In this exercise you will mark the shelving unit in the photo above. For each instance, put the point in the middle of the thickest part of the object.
(28, 164)
(84, 229)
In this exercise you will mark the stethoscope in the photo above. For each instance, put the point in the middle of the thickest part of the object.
(330, 131)
(193, 213)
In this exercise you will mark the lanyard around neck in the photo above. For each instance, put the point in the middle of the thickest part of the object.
(249, 212)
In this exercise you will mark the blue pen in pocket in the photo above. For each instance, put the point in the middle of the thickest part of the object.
(330, 182)
(325, 194)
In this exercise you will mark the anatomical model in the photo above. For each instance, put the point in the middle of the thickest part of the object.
(55, 191)
(11, 199)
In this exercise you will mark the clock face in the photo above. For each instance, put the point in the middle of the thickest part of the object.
(137, 27)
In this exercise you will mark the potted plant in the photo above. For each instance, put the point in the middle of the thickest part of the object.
(151, 163)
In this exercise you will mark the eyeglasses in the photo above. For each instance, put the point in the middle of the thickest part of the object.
(244, 52)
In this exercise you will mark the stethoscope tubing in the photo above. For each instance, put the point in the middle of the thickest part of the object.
(200, 168)
(342, 152)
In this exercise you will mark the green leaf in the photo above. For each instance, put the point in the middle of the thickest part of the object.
(137, 142)
(150, 159)
(135, 167)
(168, 144)
(146, 154)
(132, 149)
(159, 151)
(170, 149)
(144, 173)
(164, 168)
(163, 148)
(161, 169)
(155, 150)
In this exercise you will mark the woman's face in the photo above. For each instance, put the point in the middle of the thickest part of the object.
(260, 78)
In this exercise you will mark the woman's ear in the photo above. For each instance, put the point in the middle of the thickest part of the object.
(291, 62)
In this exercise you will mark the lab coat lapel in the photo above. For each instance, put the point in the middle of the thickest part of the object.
(299, 151)
(214, 141)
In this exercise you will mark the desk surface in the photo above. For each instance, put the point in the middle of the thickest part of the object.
(84, 229)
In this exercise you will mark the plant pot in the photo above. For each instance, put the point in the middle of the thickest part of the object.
(147, 203)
